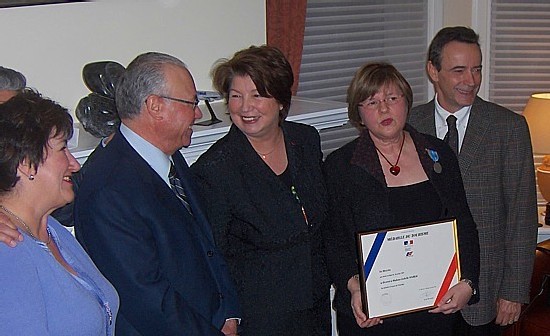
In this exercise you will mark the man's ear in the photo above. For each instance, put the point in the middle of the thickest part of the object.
(154, 106)
(432, 72)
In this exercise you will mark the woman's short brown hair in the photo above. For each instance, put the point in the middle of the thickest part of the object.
(267, 67)
(27, 123)
(368, 80)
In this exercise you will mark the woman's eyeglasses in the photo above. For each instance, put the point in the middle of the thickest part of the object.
(374, 104)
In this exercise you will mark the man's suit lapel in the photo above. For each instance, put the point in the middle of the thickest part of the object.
(478, 124)
(146, 174)
(195, 201)
(424, 121)
(161, 190)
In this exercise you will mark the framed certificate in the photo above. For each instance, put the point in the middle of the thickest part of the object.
(407, 269)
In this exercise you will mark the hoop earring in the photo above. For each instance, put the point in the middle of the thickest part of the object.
(31, 177)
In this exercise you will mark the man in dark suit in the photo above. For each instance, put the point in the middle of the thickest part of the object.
(496, 162)
(152, 242)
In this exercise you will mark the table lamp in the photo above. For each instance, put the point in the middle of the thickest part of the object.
(537, 113)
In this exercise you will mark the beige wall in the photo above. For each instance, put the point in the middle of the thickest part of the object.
(50, 44)
(457, 13)
(475, 14)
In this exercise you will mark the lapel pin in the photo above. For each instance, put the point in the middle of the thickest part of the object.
(435, 158)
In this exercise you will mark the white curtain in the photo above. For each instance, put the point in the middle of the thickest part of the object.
(519, 60)
(340, 36)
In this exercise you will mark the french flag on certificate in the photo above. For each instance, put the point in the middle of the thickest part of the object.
(408, 269)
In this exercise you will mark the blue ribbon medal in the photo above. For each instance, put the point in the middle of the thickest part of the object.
(435, 158)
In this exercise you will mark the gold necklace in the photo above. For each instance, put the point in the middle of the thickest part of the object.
(27, 228)
(394, 168)
(264, 155)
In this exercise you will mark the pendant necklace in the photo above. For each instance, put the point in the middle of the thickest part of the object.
(264, 155)
(27, 228)
(394, 168)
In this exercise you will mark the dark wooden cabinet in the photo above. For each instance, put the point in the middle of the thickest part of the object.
(535, 320)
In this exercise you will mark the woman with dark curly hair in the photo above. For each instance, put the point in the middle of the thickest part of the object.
(264, 183)
(49, 284)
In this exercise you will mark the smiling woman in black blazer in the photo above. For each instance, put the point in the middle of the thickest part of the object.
(267, 199)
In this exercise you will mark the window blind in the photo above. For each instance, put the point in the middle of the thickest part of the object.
(340, 36)
(519, 51)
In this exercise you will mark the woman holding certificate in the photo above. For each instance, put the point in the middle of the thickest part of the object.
(389, 177)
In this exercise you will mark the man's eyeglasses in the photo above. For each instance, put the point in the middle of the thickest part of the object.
(374, 104)
(193, 103)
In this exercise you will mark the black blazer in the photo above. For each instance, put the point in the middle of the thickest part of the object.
(65, 214)
(276, 259)
(162, 261)
(358, 201)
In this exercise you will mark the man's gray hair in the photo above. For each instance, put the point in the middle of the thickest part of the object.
(11, 79)
(143, 76)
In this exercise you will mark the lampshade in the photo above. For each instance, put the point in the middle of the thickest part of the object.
(537, 113)
(543, 178)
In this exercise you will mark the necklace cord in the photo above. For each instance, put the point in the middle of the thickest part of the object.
(264, 155)
(26, 227)
(394, 168)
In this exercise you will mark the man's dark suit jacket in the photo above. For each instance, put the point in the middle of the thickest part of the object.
(496, 162)
(163, 262)
(65, 214)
